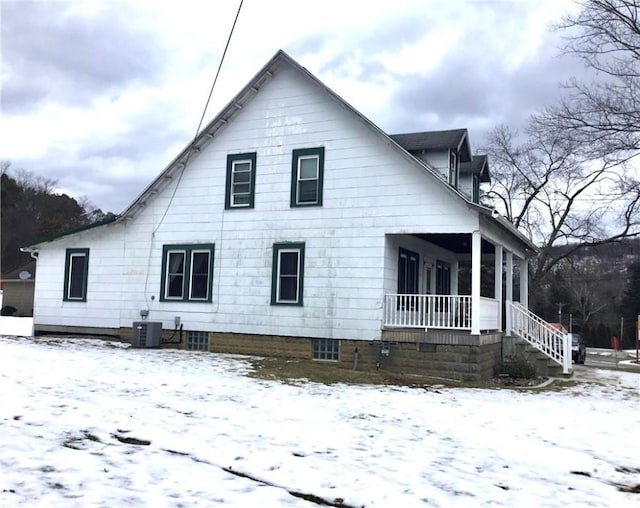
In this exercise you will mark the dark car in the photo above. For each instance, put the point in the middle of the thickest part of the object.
(578, 348)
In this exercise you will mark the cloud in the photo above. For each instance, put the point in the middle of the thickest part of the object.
(51, 52)
(102, 95)
(482, 84)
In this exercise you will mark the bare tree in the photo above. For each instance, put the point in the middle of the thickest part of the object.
(590, 293)
(548, 187)
(31, 209)
(573, 180)
(603, 114)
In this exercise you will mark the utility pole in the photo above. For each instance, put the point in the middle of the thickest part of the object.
(560, 312)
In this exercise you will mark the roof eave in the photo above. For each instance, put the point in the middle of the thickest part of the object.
(505, 225)
(39, 241)
(208, 133)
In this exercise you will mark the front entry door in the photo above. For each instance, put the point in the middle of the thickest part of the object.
(408, 263)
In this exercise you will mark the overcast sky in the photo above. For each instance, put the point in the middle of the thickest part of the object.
(102, 95)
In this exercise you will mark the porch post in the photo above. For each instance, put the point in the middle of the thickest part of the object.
(509, 283)
(498, 283)
(476, 267)
(524, 283)
(509, 276)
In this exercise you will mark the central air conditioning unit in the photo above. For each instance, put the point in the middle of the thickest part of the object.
(146, 334)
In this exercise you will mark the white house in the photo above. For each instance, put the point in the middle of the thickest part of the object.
(294, 226)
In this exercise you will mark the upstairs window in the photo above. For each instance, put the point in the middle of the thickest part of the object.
(187, 272)
(307, 172)
(475, 192)
(76, 272)
(453, 169)
(241, 179)
(287, 274)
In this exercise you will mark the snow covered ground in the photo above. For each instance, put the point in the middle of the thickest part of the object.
(93, 423)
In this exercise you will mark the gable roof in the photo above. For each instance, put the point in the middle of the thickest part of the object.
(455, 139)
(479, 165)
(449, 139)
(208, 133)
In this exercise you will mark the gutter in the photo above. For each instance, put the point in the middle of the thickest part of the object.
(495, 216)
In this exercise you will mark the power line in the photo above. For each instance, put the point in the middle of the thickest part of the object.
(189, 151)
(215, 79)
(204, 111)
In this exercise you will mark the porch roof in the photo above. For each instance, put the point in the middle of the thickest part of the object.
(460, 243)
(455, 139)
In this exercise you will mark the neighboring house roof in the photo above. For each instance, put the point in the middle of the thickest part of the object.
(453, 139)
(479, 165)
(456, 139)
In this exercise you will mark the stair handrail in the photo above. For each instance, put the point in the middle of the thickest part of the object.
(540, 334)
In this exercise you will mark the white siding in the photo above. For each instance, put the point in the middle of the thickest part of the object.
(438, 160)
(465, 185)
(370, 190)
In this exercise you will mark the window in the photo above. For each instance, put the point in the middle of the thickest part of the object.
(187, 272)
(76, 271)
(408, 263)
(476, 189)
(288, 274)
(307, 170)
(424, 347)
(453, 169)
(326, 349)
(241, 179)
(198, 341)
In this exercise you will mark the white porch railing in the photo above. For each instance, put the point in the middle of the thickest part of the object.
(540, 334)
(490, 314)
(427, 311)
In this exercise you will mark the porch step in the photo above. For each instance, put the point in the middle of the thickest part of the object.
(544, 365)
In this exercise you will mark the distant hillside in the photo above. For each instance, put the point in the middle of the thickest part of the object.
(586, 291)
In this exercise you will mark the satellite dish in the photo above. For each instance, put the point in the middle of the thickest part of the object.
(24, 275)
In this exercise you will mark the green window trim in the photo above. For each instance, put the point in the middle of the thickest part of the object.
(187, 272)
(76, 275)
(307, 184)
(287, 274)
(240, 186)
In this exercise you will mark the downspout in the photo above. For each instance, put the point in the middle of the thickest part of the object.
(476, 267)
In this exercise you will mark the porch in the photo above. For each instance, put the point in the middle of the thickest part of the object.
(452, 281)
(458, 289)
(445, 312)
(430, 321)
